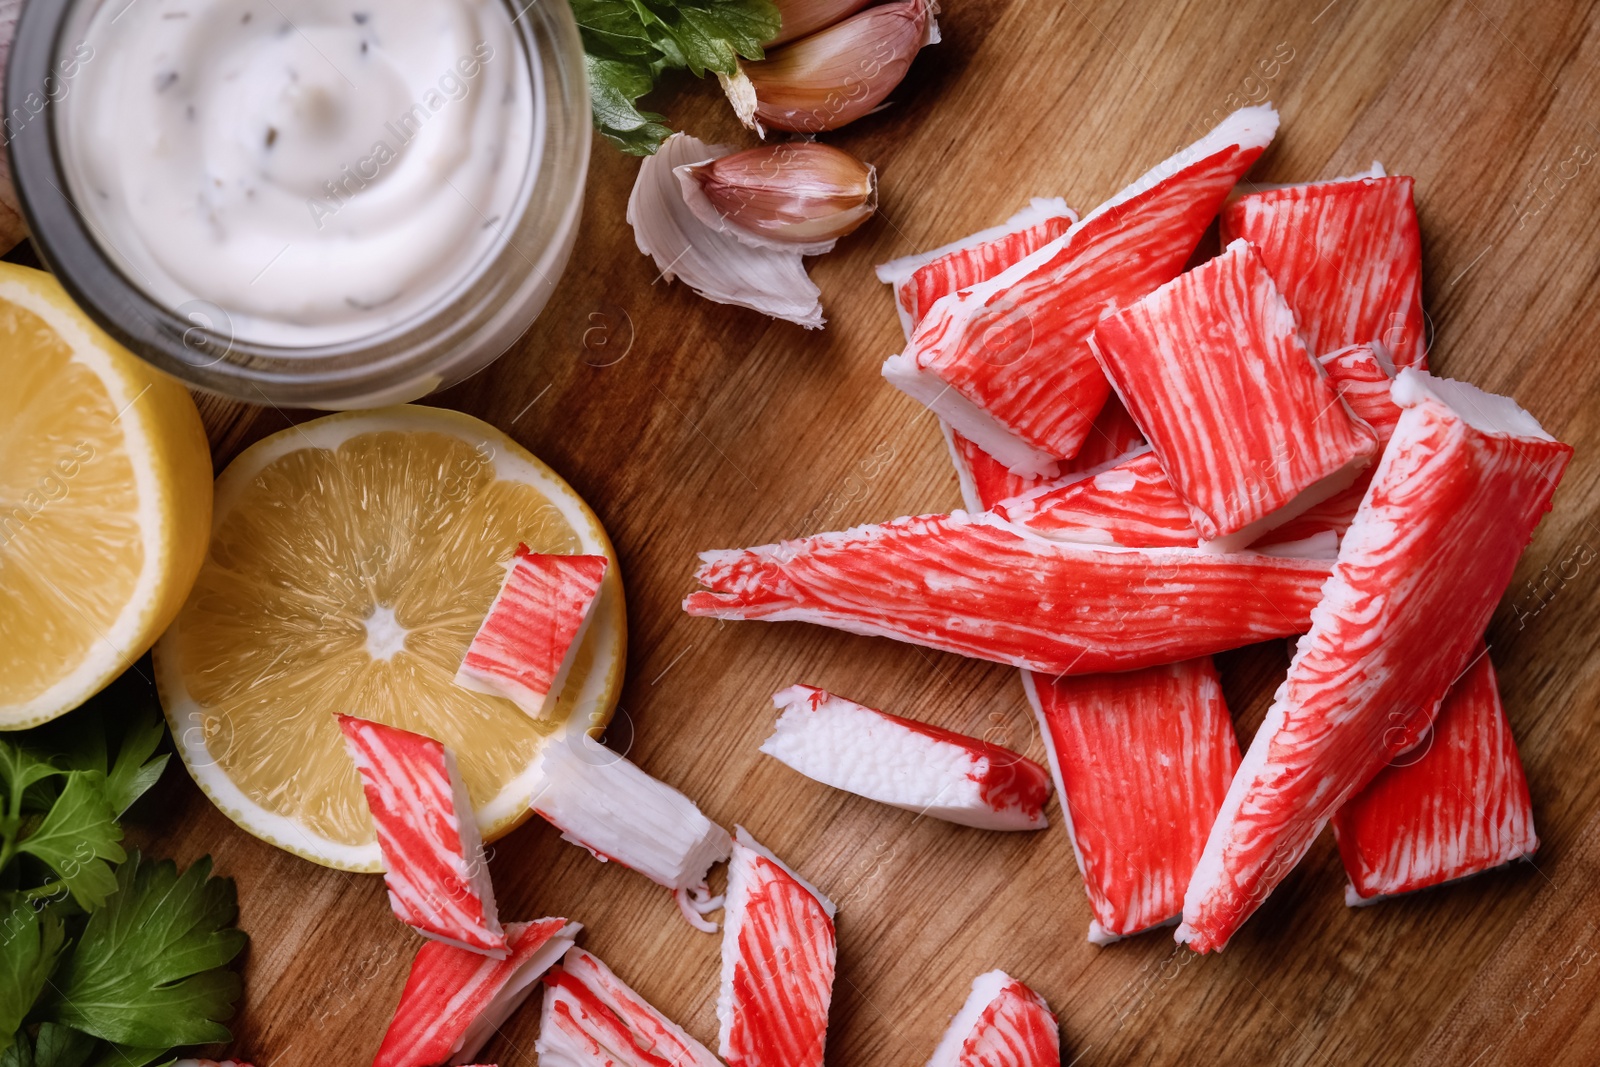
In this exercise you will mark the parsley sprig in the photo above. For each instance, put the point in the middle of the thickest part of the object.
(107, 959)
(629, 44)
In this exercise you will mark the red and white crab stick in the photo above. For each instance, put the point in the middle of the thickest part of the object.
(1244, 421)
(1454, 502)
(455, 1000)
(1005, 361)
(1002, 1024)
(778, 956)
(592, 1019)
(525, 647)
(1455, 805)
(978, 586)
(912, 765)
(433, 861)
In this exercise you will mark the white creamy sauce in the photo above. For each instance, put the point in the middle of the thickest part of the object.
(320, 171)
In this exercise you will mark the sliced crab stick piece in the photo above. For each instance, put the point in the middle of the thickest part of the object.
(919, 280)
(1006, 361)
(1455, 805)
(1347, 255)
(1244, 421)
(455, 1000)
(1461, 487)
(526, 644)
(1131, 504)
(981, 587)
(985, 481)
(1142, 760)
(433, 862)
(908, 764)
(602, 802)
(592, 1019)
(1002, 1024)
(778, 956)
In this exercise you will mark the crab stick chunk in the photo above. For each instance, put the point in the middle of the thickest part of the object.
(911, 765)
(1002, 1024)
(1244, 422)
(1455, 499)
(1142, 760)
(1131, 504)
(455, 1000)
(535, 625)
(433, 862)
(609, 806)
(985, 481)
(981, 587)
(1006, 361)
(592, 1019)
(778, 956)
(1455, 805)
(1347, 255)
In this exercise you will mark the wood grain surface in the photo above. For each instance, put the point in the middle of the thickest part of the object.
(691, 426)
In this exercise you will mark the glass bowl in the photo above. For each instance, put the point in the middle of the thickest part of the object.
(441, 344)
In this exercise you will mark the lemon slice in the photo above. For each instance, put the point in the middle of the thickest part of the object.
(105, 502)
(352, 559)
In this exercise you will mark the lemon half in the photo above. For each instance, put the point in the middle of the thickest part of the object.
(105, 501)
(352, 559)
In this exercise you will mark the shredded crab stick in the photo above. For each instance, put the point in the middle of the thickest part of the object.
(599, 800)
(1142, 760)
(455, 1000)
(1244, 421)
(978, 586)
(1002, 1024)
(1347, 255)
(919, 280)
(592, 1019)
(1455, 805)
(778, 955)
(908, 764)
(433, 862)
(1455, 500)
(1006, 362)
(1131, 504)
(526, 644)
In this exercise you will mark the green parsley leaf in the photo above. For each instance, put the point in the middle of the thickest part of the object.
(60, 1046)
(148, 969)
(128, 1056)
(614, 85)
(77, 837)
(19, 1053)
(30, 942)
(125, 717)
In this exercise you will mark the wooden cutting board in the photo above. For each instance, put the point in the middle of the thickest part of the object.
(692, 426)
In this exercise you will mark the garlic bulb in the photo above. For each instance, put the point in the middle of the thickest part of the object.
(801, 17)
(801, 197)
(835, 76)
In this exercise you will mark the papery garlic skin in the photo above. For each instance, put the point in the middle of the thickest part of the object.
(803, 17)
(799, 197)
(835, 76)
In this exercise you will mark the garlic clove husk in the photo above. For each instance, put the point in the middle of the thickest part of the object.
(798, 197)
(716, 265)
(836, 75)
(803, 17)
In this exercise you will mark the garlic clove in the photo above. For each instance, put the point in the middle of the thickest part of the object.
(802, 17)
(799, 197)
(834, 76)
(716, 265)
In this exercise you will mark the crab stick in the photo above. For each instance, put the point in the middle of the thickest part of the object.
(908, 764)
(1131, 504)
(1462, 485)
(535, 625)
(1002, 1024)
(455, 1000)
(1455, 805)
(778, 956)
(1006, 361)
(607, 805)
(978, 586)
(592, 1019)
(1142, 760)
(1244, 421)
(1347, 255)
(433, 862)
